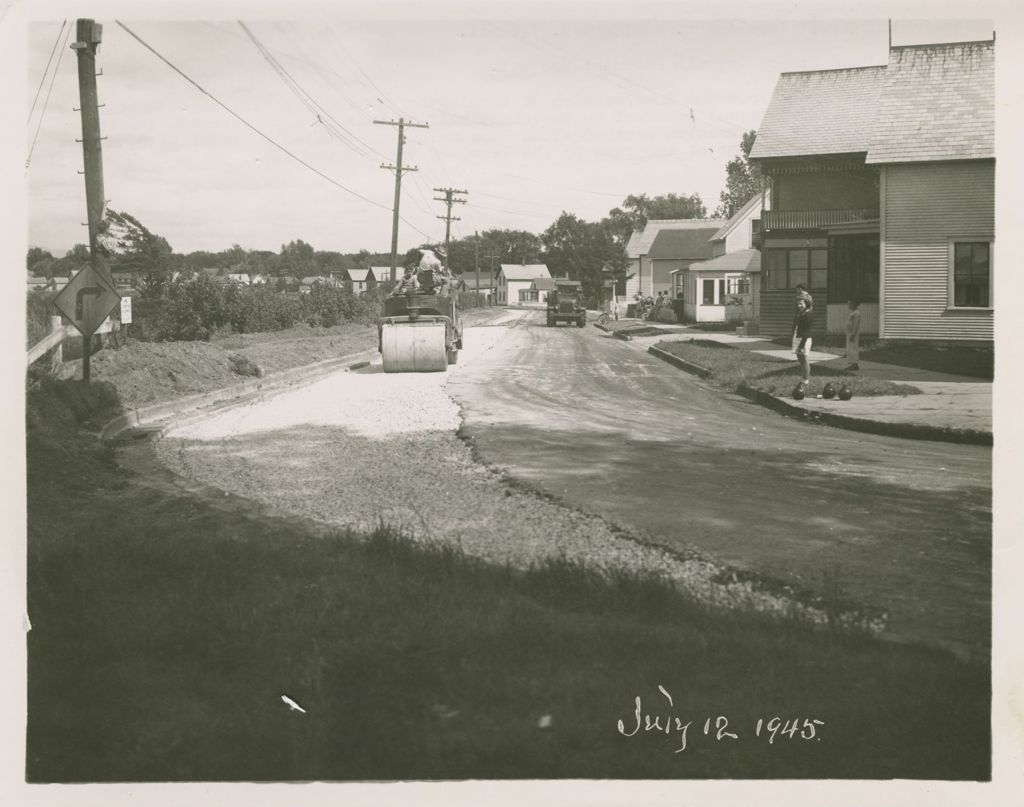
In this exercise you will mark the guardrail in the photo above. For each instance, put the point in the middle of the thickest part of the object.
(58, 333)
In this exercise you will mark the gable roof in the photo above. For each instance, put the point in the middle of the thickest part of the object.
(938, 104)
(529, 271)
(930, 102)
(468, 279)
(384, 272)
(358, 275)
(820, 112)
(544, 284)
(742, 260)
(640, 241)
(689, 243)
(748, 210)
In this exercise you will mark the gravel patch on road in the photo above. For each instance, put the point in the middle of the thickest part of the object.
(364, 448)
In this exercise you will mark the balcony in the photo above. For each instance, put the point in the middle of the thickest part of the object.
(815, 219)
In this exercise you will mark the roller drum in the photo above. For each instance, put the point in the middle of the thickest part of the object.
(414, 347)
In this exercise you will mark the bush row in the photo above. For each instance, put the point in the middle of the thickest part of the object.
(189, 310)
(195, 309)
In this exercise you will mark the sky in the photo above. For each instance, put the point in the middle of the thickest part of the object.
(533, 110)
(531, 113)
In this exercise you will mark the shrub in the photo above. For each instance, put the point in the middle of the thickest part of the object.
(38, 312)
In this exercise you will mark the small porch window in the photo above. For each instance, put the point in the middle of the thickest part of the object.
(971, 274)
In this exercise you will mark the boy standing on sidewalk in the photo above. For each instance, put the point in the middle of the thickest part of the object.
(802, 322)
(853, 336)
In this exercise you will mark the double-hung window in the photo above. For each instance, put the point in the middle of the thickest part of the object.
(970, 279)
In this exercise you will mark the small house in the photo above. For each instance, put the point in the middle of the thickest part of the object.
(515, 283)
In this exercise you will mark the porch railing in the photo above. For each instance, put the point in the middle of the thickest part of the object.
(812, 219)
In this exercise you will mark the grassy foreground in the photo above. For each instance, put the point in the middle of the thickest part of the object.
(168, 626)
(732, 367)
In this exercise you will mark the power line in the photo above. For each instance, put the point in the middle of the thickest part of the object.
(42, 78)
(307, 99)
(46, 101)
(235, 115)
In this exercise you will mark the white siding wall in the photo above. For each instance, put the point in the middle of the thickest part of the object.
(925, 206)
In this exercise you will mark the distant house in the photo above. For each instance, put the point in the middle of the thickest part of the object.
(664, 245)
(883, 188)
(288, 283)
(467, 282)
(726, 287)
(515, 282)
(259, 280)
(241, 278)
(358, 280)
(537, 294)
(382, 275)
(39, 283)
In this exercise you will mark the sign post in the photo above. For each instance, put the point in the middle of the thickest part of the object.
(87, 300)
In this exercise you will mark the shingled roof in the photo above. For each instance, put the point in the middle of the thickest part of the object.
(742, 260)
(641, 240)
(938, 104)
(683, 244)
(930, 102)
(526, 271)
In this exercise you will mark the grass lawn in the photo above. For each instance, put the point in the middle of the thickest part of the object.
(167, 627)
(732, 367)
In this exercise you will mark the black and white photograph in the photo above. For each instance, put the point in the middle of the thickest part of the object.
(583, 402)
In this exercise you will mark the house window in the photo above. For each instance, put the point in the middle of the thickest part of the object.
(737, 284)
(971, 280)
(712, 291)
(788, 267)
(528, 295)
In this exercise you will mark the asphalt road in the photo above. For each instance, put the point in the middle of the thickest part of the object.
(899, 524)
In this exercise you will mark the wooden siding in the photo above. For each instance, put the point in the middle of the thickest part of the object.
(776, 309)
(925, 206)
(839, 314)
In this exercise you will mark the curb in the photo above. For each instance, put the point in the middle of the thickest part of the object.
(159, 411)
(682, 364)
(909, 431)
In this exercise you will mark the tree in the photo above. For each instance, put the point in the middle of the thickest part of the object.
(133, 248)
(39, 261)
(637, 210)
(298, 259)
(584, 251)
(742, 179)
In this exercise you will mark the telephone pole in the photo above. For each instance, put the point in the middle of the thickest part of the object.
(88, 35)
(476, 259)
(449, 199)
(494, 279)
(398, 168)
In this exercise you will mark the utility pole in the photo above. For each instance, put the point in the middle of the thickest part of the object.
(88, 36)
(476, 259)
(401, 123)
(449, 199)
(494, 279)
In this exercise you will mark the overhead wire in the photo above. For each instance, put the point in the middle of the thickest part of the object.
(46, 101)
(42, 78)
(315, 107)
(238, 117)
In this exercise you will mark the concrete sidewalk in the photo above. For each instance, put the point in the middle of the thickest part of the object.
(951, 407)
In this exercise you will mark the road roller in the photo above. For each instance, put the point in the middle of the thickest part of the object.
(420, 331)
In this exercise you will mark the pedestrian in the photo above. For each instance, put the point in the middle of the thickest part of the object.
(853, 335)
(803, 319)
